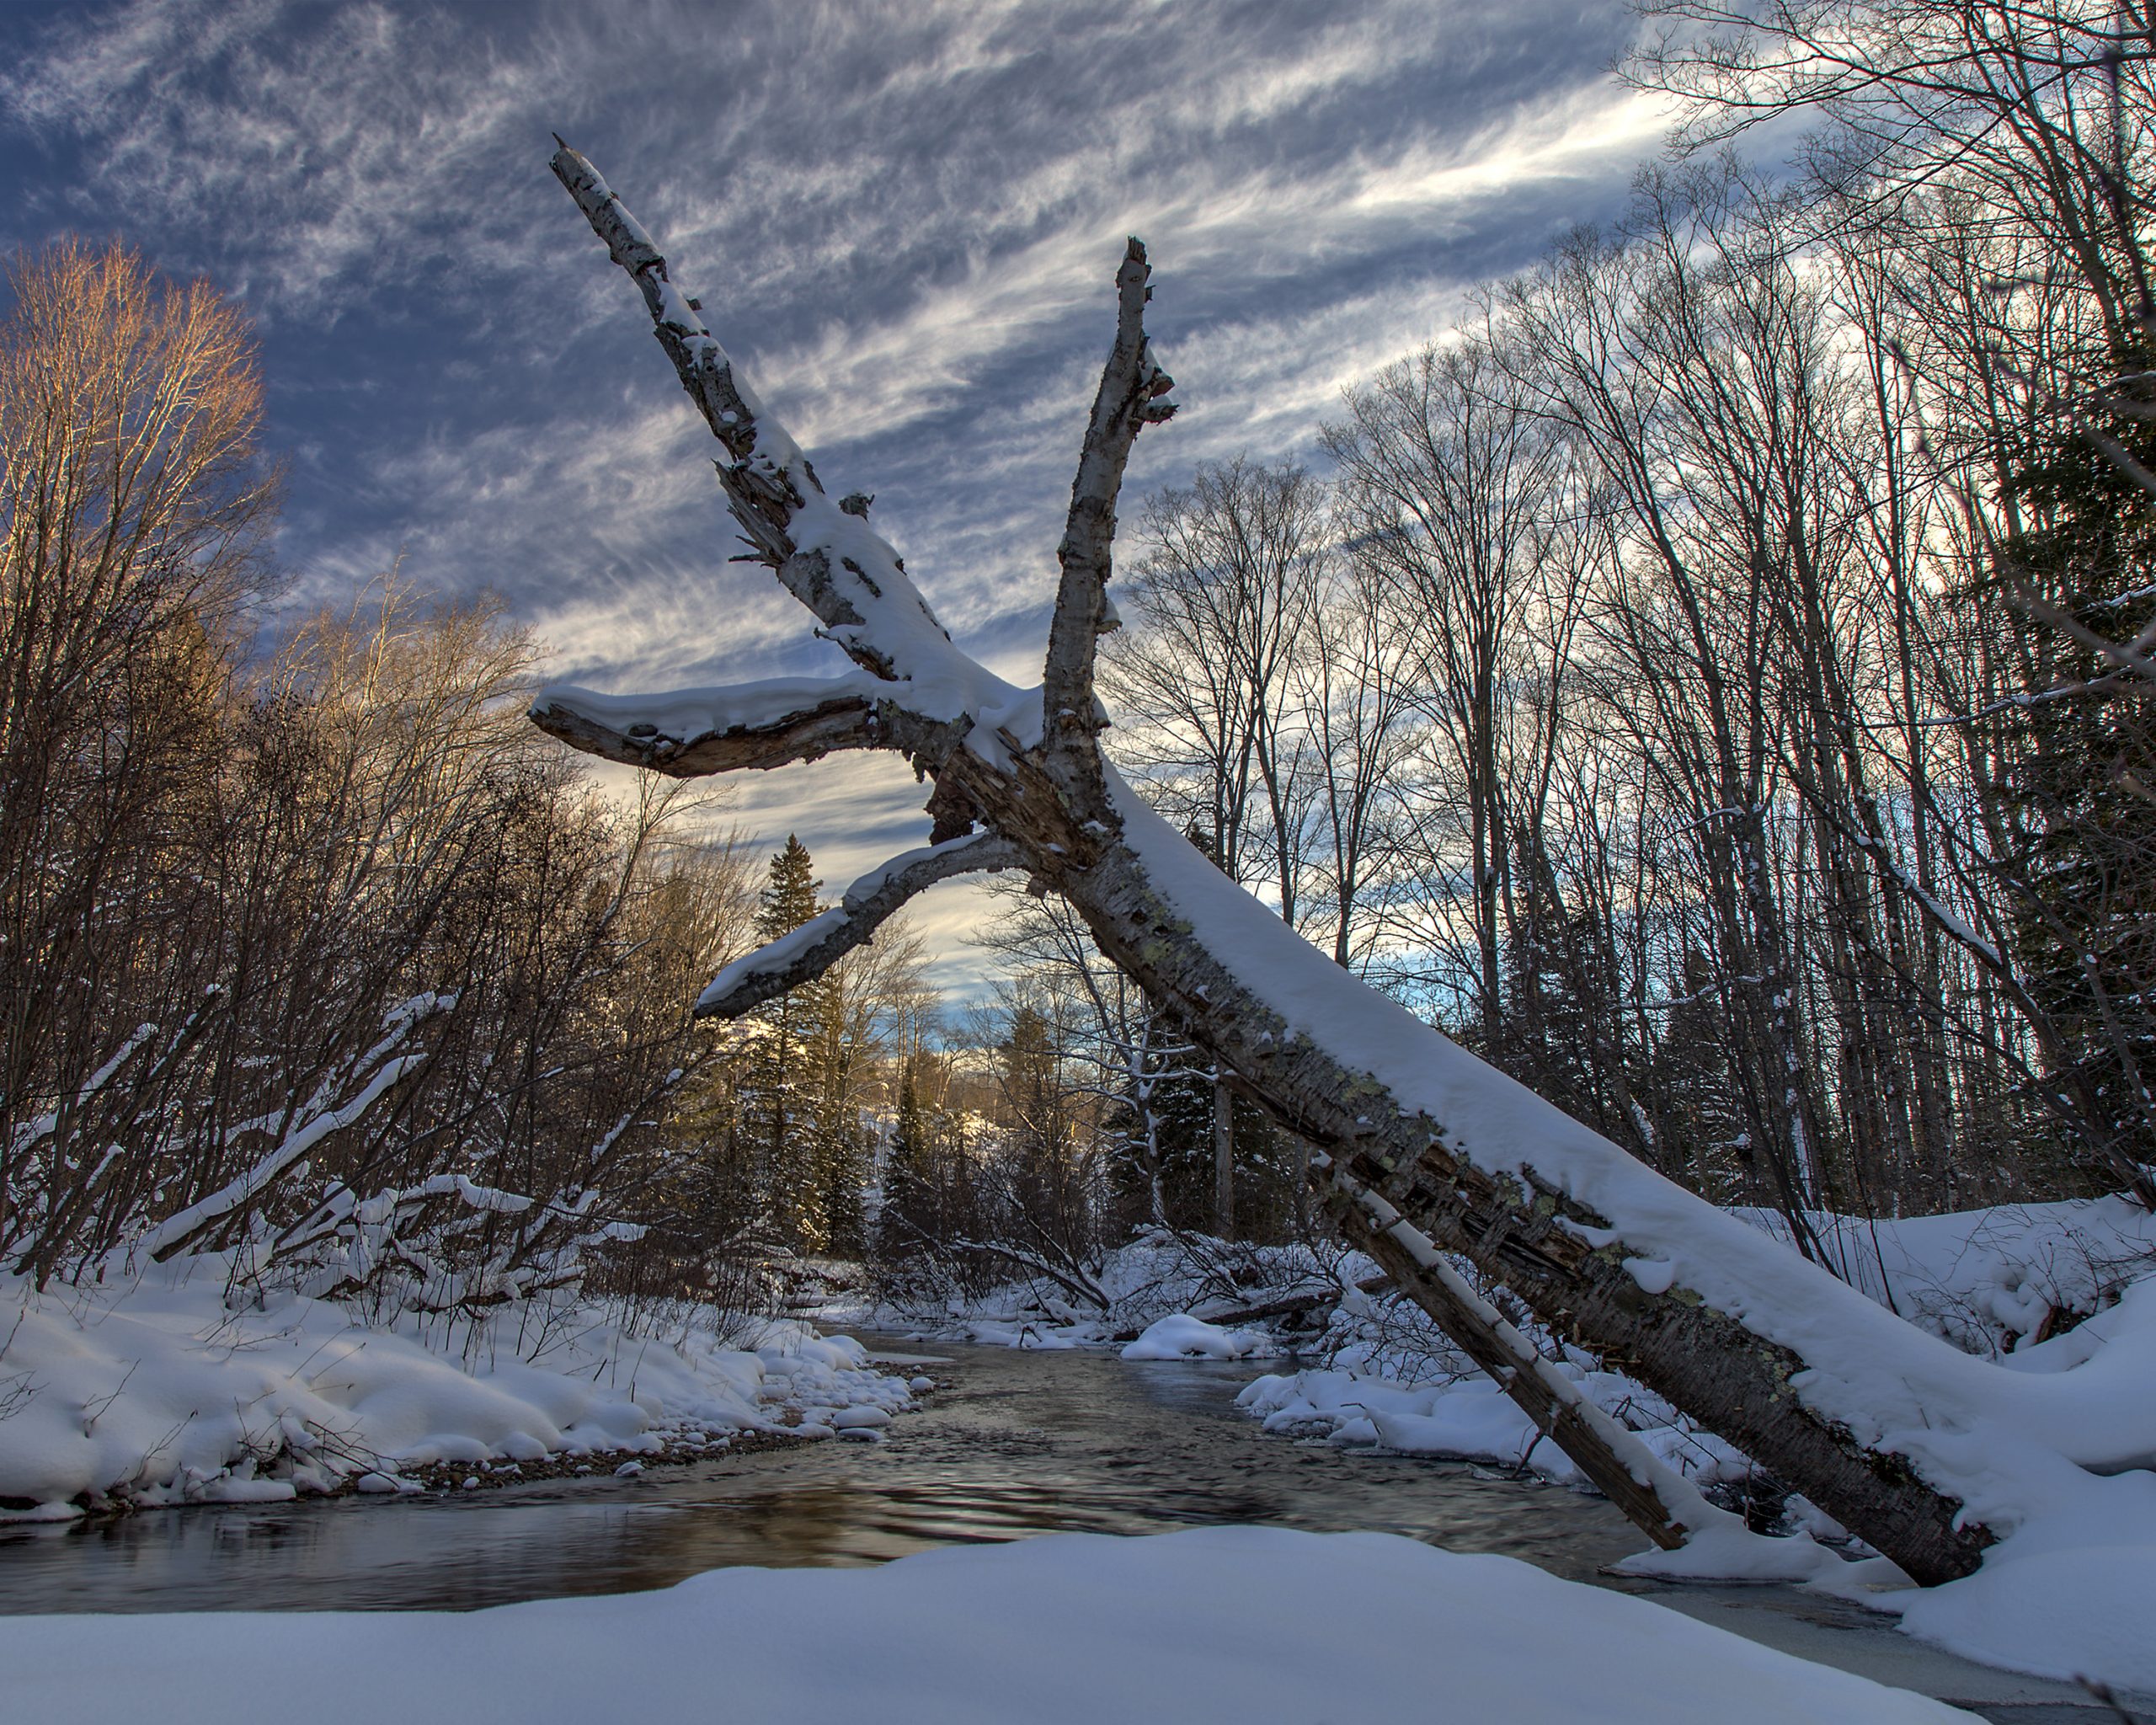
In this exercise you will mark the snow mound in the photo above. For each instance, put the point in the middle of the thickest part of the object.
(1250, 1624)
(2065, 1614)
(1469, 1419)
(155, 1392)
(1986, 1280)
(1180, 1336)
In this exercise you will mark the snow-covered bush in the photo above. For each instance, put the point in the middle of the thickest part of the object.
(158, 1390)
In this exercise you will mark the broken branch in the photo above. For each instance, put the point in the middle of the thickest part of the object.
(809, 951)
(758, 726)
(1129, 398)
(828, 556)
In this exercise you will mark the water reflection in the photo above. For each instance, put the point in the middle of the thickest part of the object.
(1017, 1443)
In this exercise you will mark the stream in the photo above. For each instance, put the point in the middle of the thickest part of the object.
(1011, 1443)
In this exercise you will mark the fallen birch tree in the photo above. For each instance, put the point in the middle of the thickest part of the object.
(1421, 1150)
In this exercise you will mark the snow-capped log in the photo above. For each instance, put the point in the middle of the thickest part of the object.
(1885, 1428)
(806, 952)
(1656, 1499)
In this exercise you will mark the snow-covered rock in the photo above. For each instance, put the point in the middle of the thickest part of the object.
(1180, 1336)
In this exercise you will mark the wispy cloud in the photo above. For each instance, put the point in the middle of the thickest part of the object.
(903, 213)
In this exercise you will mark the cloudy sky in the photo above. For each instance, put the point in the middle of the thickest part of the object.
(902, 218)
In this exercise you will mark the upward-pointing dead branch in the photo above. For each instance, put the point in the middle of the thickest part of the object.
(1130, 397)
(827, 557)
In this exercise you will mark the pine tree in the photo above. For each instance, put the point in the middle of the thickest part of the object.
(1183, 1105)
(2082, 778)
(776, 1082)
(838, 1146)
(1695, 1097)
(907, 1220)
(1037, 1129)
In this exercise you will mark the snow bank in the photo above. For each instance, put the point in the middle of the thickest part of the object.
(1988, 1279)
(1469, 1419)
(1180, 1336)
(2051, 1600)
(2065, 1614)
(1156, 1273)
(155, 1392)
(1018, 1333)
(1250, 1624)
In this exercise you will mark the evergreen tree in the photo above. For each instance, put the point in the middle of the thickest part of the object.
(1265, 1164)
(907, 1220)
(838, 1144)
(2082, 778)
(776, 1082)
(1046, 1180)
(1695, 1099)
(1032, 1081)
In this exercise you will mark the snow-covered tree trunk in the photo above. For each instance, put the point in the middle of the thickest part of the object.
(1420, 1150)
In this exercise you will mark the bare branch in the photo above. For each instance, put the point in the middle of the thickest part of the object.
(693, 732)
(809, 951)
(825, 553)
(1129, 399)
(2132, 658)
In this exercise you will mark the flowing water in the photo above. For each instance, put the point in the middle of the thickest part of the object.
(1011, 1443)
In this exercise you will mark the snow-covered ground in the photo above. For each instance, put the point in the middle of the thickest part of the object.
(2065, 1593)
(163, 1389)
(158, 1391)
(1254, 1625)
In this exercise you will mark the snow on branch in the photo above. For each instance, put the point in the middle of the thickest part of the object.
(826, 555)
(809, 951)
(688, 732)
(177, 1233)
(42, 1126)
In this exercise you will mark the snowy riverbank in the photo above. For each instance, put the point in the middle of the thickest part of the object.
(2058, 1295)
(1250, 1624)
(156, 1391)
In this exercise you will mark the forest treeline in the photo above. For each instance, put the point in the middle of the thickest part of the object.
(315, 953)
(1711, 683)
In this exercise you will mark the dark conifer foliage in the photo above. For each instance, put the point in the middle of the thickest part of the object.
(2078, 779)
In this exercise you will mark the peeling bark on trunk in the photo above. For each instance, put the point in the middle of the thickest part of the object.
(1399, 1184)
